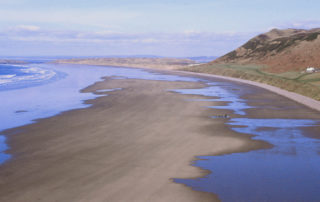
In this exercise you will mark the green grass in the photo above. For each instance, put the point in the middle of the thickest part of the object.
(310, 77)
(317, 83)
(302, 83)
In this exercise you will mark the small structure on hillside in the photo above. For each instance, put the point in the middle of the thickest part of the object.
(312, 70)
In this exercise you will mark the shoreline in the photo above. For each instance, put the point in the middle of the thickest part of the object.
(301, 99)
(69, 149)
(309, 102)
(41, 146)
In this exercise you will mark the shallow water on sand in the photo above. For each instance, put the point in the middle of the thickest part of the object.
(225, 92)
(44, 90)
(290, 171)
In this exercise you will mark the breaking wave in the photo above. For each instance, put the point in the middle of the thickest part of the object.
(14, 76)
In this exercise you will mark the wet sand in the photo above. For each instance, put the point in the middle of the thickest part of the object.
(126, 147)
(129, 145)
(309, 102)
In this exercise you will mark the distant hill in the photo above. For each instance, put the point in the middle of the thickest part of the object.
(5, 61)
(144, 62)
(280, 50)
(203, 59)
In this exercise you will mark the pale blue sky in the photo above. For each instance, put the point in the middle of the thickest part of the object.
(168, 28)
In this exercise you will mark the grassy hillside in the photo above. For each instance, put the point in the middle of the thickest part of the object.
(294, 81)
(280, 50)
(277, 58)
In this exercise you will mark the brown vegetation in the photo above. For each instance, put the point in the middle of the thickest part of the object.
(280, 50)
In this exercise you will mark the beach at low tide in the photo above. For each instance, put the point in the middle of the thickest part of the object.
(132, 144)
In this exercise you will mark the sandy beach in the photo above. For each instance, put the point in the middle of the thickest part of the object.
(128, 146)
(156, 101)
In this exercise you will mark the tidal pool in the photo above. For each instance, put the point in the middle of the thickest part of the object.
(289, 171)
(224, 92)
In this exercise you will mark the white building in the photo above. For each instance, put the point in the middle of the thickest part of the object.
(310, 69)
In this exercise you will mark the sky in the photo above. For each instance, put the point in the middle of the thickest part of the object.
(176, 28)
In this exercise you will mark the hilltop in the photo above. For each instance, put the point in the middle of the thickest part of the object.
(278, 58)
(280, 50)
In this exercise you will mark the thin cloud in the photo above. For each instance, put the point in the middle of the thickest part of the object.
(303, 24)
(98, 18)
(26, 28)
(35, 33)
(29, 37)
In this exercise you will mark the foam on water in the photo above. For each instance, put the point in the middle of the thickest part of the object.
(21, 76)
(8, 76)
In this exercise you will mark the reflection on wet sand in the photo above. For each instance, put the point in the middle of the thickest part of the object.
(289, 171)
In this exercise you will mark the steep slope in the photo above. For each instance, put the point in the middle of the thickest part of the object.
(280, 50)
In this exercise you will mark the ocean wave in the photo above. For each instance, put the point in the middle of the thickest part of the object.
(23, 76)
(7, 76)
